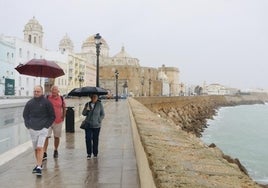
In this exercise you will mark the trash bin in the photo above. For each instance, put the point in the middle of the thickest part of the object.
(69, 121)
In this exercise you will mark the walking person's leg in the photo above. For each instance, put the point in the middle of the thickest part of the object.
(96, 133)
(39, 138)
(39, 151)
(50, 129)
(57, 129)
(88, 137)
(56, 145)
(45, 148)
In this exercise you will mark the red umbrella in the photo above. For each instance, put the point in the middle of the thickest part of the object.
(40, 68)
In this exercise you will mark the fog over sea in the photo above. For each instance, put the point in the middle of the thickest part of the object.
(242, 132)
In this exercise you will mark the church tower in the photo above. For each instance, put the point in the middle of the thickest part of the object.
(33, 32)
(66, 45)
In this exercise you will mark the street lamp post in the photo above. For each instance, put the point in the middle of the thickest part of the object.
(181, 91)
(125, 86)
(116, 84)
(150, 82)
(98, 44)
(81, 79)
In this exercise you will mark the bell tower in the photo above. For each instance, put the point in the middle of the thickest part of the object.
(33, 33)
(66, 44)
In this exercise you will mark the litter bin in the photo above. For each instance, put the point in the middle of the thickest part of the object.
(69, 121)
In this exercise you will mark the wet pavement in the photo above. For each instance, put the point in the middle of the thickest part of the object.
(115, 166)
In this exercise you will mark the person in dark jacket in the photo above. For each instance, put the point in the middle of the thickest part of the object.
(94, 113)
(38, 116)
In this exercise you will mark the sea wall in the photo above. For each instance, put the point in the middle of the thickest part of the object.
(191, 113)
(169, 128)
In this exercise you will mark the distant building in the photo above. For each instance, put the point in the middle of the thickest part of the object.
(217, 89)
(24, 53)
(133, 79)
(7, 71)
(80, 68)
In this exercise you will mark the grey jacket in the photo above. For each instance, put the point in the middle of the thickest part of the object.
(38, 113)
(95, 115)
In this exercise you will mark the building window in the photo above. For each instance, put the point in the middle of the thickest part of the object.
(30, 38)
(34, 40)
(34, 55)
(28, 55)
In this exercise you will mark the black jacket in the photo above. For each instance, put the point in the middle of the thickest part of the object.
(38, 113)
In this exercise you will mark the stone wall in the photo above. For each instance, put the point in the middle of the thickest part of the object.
(169, 128)
(191, 113)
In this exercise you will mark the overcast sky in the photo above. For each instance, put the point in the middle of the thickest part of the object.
(216, 41)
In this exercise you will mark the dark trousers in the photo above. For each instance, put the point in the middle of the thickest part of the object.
(92, 140)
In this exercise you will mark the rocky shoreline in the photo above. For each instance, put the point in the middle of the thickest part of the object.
(182, 121)
(191, 113)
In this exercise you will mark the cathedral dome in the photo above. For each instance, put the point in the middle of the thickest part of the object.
(122, 54)
(89, 46)
(33, 25)
(90, 41)
(66, 44)
(123, 58)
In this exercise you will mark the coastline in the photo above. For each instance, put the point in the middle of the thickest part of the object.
(189, 115)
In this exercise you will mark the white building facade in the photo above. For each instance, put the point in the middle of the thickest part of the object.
(7, 71)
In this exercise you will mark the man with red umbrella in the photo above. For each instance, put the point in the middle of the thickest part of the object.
(38, 116)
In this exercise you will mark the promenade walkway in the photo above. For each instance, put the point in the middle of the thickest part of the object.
(115, 166)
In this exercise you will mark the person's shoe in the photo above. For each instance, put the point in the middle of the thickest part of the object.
(95, 156)
(38, 172)
(34, 170)
(88, 157)
(56, 154)
(44, 156)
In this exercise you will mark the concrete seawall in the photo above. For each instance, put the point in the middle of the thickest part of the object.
(168, 129)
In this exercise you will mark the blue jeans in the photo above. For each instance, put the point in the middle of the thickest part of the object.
(92, 140)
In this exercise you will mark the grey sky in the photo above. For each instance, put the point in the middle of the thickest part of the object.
(217, 41)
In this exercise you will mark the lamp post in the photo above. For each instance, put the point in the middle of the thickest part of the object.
(116, 73)
(150, 82)
(181, 91)
(80, 79)
(142, 83)
(125, 86)
(98, 44)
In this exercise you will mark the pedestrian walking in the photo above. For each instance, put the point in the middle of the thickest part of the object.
(38, 116)
(58, 104)
(94, 113)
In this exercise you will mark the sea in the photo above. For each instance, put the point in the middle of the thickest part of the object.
(242, 132)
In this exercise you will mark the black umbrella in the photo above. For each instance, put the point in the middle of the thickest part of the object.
(86, 91)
